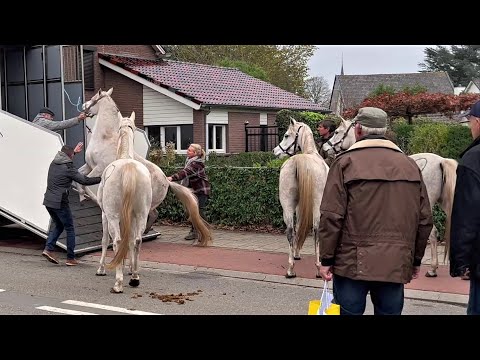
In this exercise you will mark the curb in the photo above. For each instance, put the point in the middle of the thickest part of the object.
(448, 298)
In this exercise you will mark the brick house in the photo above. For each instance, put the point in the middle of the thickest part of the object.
(173, 101)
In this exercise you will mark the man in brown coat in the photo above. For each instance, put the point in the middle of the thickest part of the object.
(375, 221)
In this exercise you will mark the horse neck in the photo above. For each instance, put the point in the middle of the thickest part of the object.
(125, 145)
(307, 143)
(107, 121)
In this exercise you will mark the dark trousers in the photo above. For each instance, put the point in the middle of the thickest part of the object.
(351, 295)
(473, 307)
(62, 220)
(202, 204)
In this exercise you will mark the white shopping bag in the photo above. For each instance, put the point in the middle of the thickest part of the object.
(325, 300)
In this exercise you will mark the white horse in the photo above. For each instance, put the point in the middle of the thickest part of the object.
(101, 151)
(439, 175)
(125, 197)
(301, 183)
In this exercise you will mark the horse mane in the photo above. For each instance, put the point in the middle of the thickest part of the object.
(307, 142)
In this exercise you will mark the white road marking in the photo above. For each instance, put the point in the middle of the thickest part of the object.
(107, 307)
(63, 311)
(2, 290)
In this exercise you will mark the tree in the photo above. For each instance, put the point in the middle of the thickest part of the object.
(461, 62)
(286, 66)
(249, 69)
(409, 105)
(317, 90)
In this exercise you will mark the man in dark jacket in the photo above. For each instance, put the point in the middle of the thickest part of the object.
(376, 219)
(465, 230)
(326, 129)
(60, 176)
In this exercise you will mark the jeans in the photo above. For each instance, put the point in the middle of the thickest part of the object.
(351, 295)
(473, 307)
(62, 218)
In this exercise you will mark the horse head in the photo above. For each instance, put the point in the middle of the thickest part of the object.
(91, 107)
(291, 141)
(342, 139)
(126, 138)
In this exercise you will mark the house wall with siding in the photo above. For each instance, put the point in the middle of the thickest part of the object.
(160, 109)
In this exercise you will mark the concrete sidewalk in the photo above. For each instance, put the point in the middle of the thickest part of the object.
(264, 257)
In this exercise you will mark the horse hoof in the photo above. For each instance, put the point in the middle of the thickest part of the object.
(113, 291)
(130, 273)
(134, 282)
(291, 276)
(297, 258)
(430, 274)
(100, 274)
(318, 276)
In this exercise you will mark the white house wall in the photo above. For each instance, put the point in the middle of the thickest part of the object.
(263, 119)
(473, 89)
(218, 116)
(159, 109)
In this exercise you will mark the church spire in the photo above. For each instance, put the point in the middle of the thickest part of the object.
(341, 71)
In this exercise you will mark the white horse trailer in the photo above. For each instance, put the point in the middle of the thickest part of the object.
(26, 151)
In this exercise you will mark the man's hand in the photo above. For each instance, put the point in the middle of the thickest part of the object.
(78, 148)
(169, 178)
(326, 273)
(81, 116)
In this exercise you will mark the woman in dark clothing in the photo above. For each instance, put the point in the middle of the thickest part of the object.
(193, 176)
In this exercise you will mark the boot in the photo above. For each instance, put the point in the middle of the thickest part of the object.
(192, 235)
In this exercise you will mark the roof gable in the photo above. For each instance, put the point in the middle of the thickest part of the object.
(355, 88)
(213, 85)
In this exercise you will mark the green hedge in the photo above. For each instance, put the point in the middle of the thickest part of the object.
(240, 197)
(245, 186)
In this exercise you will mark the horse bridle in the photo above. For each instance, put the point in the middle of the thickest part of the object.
(294, 144)
(86, 111)
(329, 142)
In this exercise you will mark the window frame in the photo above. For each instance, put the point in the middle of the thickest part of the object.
(223, 150)
(178, 150)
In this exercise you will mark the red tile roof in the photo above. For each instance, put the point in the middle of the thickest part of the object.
(213, 85)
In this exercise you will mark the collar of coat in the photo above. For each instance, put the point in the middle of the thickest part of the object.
(374, 143)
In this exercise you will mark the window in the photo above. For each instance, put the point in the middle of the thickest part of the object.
(181, 136)
(217, 138)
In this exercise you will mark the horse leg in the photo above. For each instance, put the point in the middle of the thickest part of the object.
(288, 219)
(118, 287)
(135, 279)
(434, 255)
(85, 169)
(97, 171)
(152, 217)
(105, 241)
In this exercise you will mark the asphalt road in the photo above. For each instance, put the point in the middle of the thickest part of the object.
(33, 286)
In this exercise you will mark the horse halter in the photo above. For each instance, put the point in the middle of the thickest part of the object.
(294, 144)
(329, 142)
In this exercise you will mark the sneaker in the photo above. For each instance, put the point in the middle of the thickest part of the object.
(71, 262)
(50, 256)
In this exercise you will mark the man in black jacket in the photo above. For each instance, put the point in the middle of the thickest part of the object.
(60, 176)
(465, 230)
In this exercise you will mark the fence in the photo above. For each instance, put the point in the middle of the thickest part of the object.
(260, 138)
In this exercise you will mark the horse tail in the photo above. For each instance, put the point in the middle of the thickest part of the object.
(305, 199)
(128, 181)
(190, 202)
(449, 170)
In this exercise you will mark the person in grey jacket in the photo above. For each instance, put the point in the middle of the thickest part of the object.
(60, 176)
(45, 119)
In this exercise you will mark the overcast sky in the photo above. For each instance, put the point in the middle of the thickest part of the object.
(363, 59)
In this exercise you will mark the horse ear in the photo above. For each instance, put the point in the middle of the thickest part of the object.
(132, 117)
(292, 121)
(109, 92)
(99, 91)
